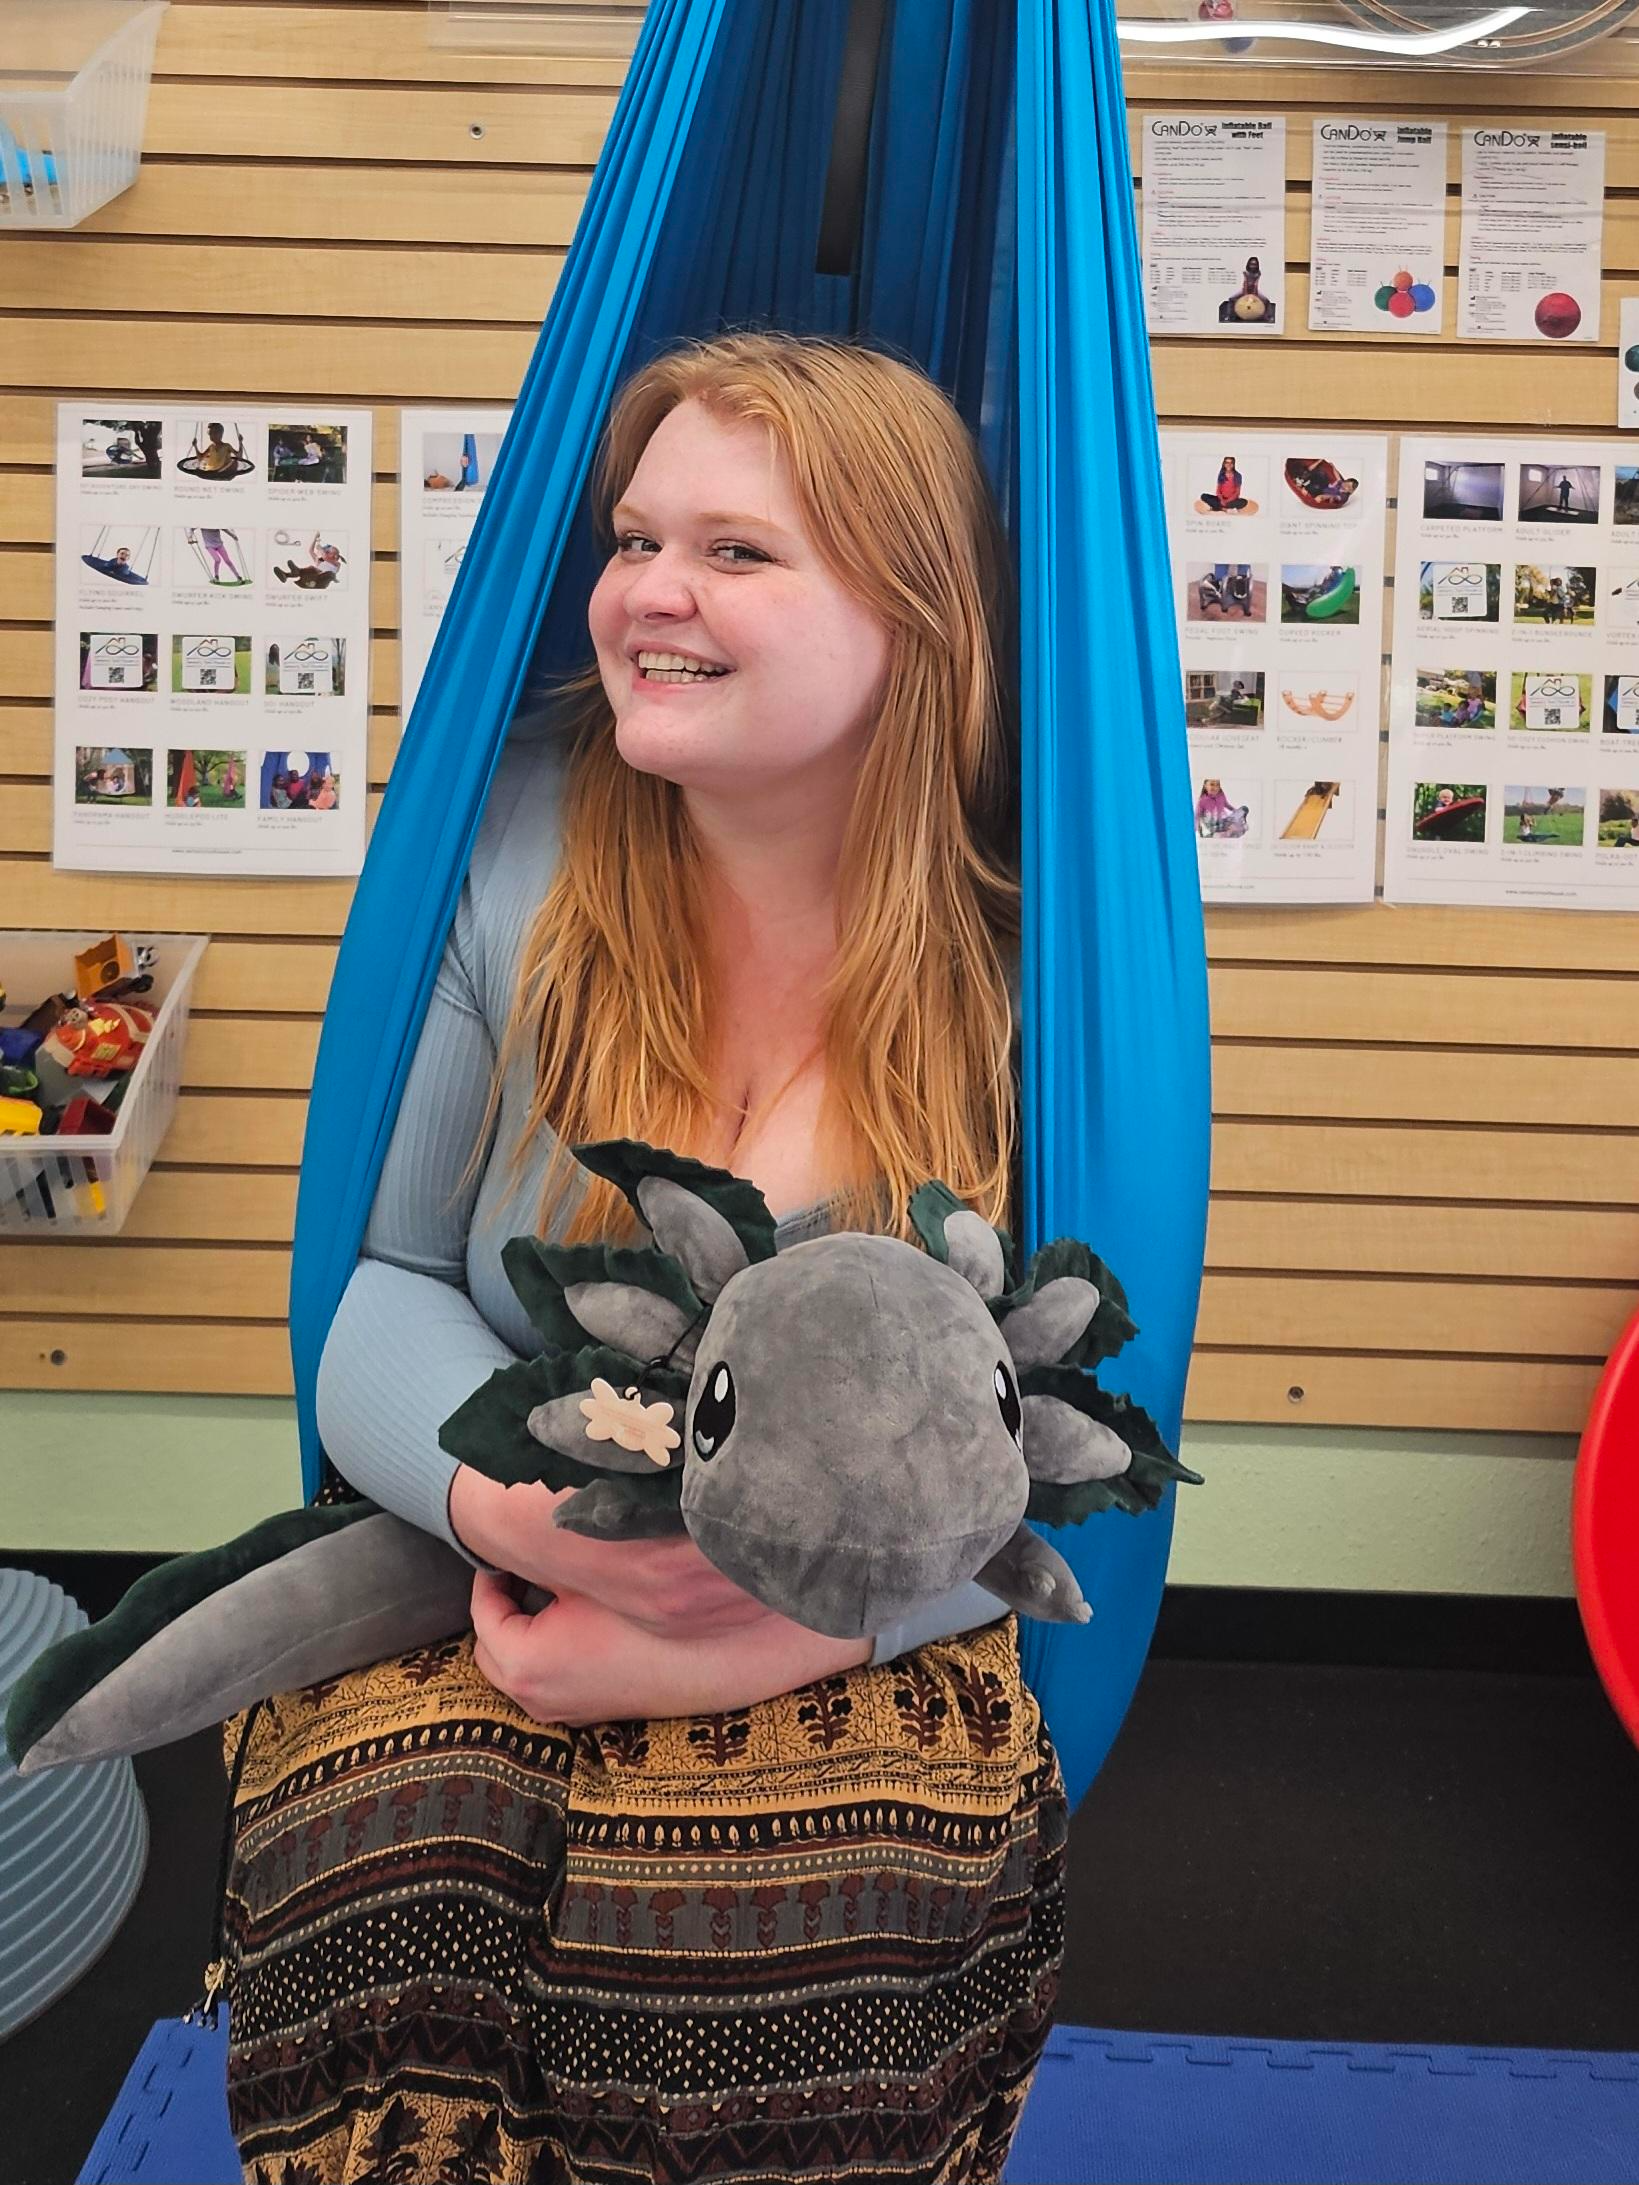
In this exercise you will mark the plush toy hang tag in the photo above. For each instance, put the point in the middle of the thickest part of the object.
(628, 1421)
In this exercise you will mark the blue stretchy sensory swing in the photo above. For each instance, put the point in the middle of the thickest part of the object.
(994, 247)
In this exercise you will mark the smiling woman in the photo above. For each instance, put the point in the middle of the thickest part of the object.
(674, 1886)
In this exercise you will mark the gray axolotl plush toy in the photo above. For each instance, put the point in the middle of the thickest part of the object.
(847, 1429)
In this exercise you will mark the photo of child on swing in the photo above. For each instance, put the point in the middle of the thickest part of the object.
(217, 451)
(1554, 593)
(1544, 818)
(299, 781)
(119, 554)
(1456, 698)
(211, 781)
(314, 565)
(120, 447)
(217, 556)
(307, 455)
(1448, 811)
(104, 774)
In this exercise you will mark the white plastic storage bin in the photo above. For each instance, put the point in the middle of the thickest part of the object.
(83, 1186)
(73, 102)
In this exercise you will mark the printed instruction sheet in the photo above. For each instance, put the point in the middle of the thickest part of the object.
(1277, 563)
(446, 463)
(1529, 257)
(1377, 235)
(1514, 696)
(1214, 223)
(213, 637)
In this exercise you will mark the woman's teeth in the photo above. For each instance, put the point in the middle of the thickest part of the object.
(671, 668)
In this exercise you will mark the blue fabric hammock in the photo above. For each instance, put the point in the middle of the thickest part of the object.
(991, 241)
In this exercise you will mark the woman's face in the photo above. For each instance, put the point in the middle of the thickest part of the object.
(711, 561)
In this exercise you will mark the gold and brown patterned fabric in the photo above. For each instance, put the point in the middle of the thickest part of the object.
(816, 1938)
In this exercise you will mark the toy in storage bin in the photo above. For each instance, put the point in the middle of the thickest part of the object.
(73, 105)
(83, 1186)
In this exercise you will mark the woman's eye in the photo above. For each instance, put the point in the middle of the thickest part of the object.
(723, 546)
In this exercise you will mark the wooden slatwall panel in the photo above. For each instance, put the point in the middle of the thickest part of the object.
(1426, 1149)
(1427, 1193)
(316, 218)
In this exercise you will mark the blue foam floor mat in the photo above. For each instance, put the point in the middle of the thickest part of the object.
(1121, 2109)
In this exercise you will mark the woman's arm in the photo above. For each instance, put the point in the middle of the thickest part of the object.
(576, 1661)
(407, 1345)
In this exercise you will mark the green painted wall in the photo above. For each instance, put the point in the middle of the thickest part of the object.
(1346, 1509)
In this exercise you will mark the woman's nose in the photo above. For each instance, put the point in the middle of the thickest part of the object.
(659, 585)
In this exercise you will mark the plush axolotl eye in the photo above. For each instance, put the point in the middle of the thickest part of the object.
(714, 1413)
(1007, 1398)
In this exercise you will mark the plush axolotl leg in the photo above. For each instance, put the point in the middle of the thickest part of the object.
(1035, 1579)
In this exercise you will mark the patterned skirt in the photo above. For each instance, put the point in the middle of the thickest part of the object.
(817, 1938)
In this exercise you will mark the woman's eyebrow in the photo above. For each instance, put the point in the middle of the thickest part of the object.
(706, 516)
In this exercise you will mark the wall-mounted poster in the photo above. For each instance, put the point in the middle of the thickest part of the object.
(1377, 231)
(1214, 223)
(446, 464)
(1277, 562)
(1529, 257)
(213, 638)
(1514, 742)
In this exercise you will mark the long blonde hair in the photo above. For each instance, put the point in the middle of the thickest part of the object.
(614, 992)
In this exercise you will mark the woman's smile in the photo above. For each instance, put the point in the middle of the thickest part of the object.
(657, 679)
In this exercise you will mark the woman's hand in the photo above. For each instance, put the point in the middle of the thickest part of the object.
(666, 1586)
(576, 1661)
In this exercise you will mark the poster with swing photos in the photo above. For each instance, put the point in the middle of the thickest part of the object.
(1277, 569)
(446, 463)
(213, 637)
(1514, 696)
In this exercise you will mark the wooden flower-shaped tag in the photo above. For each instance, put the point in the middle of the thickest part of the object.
(629, 1422)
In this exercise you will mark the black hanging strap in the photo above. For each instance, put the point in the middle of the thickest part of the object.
(843, 216)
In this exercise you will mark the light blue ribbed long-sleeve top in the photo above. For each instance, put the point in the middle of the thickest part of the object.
(429, 1313)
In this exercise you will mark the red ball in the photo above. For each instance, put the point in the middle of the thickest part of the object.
(1401, 305)
(1558, 315)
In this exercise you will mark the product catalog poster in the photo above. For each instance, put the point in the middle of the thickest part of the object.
(1528, 262)
(1377, 247)
(1214, 223)
(213, 638)
(1627, 365)
(446, 465)
(1277, 563)
(1514, 698)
